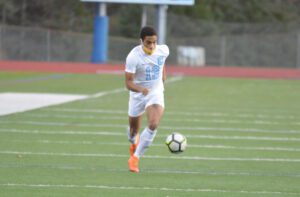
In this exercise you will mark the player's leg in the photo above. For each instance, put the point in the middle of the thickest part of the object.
(134, 126)
(154, 115)
(136, 108)
(135, 112)
(133, 132)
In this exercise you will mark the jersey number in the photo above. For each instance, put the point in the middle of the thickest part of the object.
(152, 72)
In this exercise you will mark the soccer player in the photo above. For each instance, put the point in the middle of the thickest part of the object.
(144, 78)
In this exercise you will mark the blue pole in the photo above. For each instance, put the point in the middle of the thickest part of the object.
(100, 39)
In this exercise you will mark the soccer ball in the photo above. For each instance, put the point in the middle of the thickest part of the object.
(176, 142)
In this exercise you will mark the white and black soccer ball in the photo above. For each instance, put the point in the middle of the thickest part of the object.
(176, 142)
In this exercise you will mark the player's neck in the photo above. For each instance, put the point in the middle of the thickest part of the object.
(148, 51)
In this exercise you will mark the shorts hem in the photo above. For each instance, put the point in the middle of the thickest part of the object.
(134, 116)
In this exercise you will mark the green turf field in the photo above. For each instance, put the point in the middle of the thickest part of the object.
(243, 139)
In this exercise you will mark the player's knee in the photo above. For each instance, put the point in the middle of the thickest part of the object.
(153, 126)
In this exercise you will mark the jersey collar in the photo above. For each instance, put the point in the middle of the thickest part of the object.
(147, 51)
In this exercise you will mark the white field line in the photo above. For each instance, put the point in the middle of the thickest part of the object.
(23, 131)
(216, 173)
(243, 110)
(61, 116)
(195, 158)
(247, 130)
(118, 90)
(167, 119)
(157, 171)
(46, 100)
(100, 94)
(163, 189)
(207, 146)
(188, 113)
(11, 102)
(174, 79)
(111, 133)
(240, 115)
(100, 111)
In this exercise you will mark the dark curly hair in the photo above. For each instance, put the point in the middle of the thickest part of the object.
(147, 31)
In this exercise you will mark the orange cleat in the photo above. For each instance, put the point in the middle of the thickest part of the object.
(133, 164)
(133, 147)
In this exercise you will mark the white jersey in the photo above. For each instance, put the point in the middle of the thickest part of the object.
(148, 69)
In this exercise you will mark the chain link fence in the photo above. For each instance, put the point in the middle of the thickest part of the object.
(19, 43)
(255, 49)
(238, 44)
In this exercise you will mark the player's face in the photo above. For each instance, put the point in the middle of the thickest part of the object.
(149, 43)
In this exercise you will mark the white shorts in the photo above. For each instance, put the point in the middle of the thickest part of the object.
(138, 102)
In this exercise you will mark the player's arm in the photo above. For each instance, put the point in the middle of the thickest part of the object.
(164, 75)
(132, 86)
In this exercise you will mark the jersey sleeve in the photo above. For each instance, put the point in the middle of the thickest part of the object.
(165, 50)
(131, 63)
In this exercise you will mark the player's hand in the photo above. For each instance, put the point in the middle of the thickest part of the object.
(145, 91)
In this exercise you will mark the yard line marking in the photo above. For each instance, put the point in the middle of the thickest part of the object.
(112, 133)
(21, 102)
(244, 138)
(108, 133)
(157, 171)
(188, 113)
(244, 115)
(107, 187)
(42, 115)
(287, 160)
(104, 93)
(243, 109)
(174, 79)
(216, 173)
(246, 148)
(168, 119)
(11, 103)
(47, 123)
(207, 146)
(101, 111)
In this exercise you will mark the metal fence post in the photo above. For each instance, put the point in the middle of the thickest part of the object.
(1, 56)
(161, 20)
(144, 16)
(48, 46)
(298, 51)
(22, 44)
(223, 51)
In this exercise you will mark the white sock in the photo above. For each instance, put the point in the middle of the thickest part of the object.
(130, 138)
(146, 140)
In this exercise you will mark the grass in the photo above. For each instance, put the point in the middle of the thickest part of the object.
(243, 137)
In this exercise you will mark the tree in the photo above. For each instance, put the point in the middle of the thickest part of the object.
(242, 10)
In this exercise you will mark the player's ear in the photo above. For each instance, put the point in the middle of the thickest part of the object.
(141, 41)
